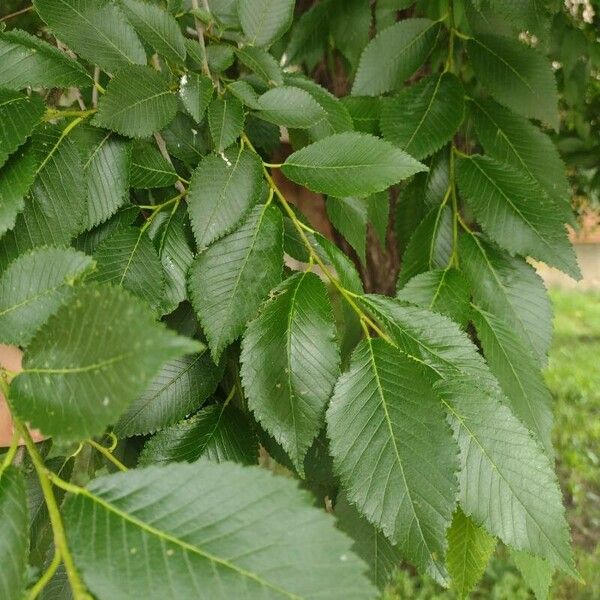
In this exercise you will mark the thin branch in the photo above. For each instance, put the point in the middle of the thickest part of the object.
(47, 575)
(16, 13)
(162, 146)
(108, 455)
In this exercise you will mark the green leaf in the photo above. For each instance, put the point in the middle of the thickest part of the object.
(34, 286)
(265, 21)
(290, 362)
(365, 112)
(444, 291)
(138, 102)
(350, 164)
(106, 169)
(16, 177)
(241, 544)
(515, 368)
(506, 480)
(220, 57)
(196, 92)
(230, 279)
(89, 361)
(470, 548)
(28, 61)
(168, 232)
(510, 289)
(393, 55)
(218, 433)
(19, 114)
(290, 107)
(337, 116)
(430, 246)
(536, 572)
(515, 212)
(393, 451)
(127, 258)
(350, 24)
(95, 29)
(424, 116)
(185, 141)
(226, 121)
(14, 542)
(262, 63)
(244, 92)
(517, 75)
(432, 340)
(370, 544)
(157, 27)
(526, 16)
(222, 191)
(56, 209)
(386, 11)
(512, 139)
(149, 169)
(181, 386)
(309, 36)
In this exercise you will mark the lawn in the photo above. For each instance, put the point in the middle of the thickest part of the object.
(573, 375)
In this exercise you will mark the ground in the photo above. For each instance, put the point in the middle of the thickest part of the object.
(573, 375)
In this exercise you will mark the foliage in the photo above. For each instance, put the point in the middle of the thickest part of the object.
(173, 303)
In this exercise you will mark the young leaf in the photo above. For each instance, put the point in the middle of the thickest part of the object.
(157, 27)
(506, 480)
(393, 55)
(536, 572)
(127, 258)
(510, 289)
(16, 177)
(248, 530)
(106, 166)
(138, 102)
(218, 433)
(513, 139)
(168, 233)
(424, 116)
(350, 164)
(517, 75)
(262, 63)
(34, 286)
(222, 191)
(394, 452)
(515, 368)
(181, 387)
(19, 114)
(265, 21)
(290, 107)
(226, 121)
(430, 246)
(149, 169)
(196, 92)
(514, 211)
(230, 279)
(95, 29)
(470, 548)
(89, 361)
(369, 543)
(14, 541)
(290, 363)
(444, 291)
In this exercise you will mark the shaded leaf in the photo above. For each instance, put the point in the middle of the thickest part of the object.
(262, 63)
(226, 121)
(218, 433)
(290, 107)
(265, 21)
(196, 92)
(149, 169)
(290, 363)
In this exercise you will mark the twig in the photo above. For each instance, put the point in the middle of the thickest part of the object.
(16, 13)
(107, 454)
(47, 575)
(162, 146)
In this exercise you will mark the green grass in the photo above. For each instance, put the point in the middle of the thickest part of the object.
(573, 375)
